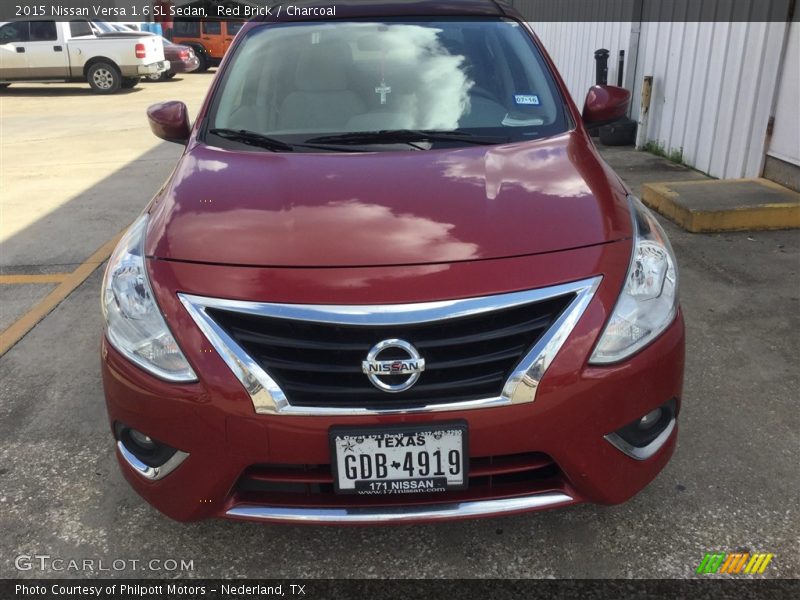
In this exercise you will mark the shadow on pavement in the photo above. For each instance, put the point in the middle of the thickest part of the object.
(19, 90)
(71, 232)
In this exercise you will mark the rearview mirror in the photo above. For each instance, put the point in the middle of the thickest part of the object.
(605, 104)
(170, 121)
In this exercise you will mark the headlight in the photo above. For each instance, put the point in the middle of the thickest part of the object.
(134, 324)
(649, 299)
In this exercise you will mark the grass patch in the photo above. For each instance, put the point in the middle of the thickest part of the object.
(658, 148)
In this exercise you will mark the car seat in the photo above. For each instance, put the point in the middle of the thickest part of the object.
(322, 100)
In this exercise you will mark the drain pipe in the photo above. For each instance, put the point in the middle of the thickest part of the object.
(644, 112)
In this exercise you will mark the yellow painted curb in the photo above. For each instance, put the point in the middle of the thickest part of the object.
(664, 199)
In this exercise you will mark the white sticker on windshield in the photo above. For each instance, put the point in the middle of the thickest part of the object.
(527, 100)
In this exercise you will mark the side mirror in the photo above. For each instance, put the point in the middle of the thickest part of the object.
(605, 104)
(170, 121)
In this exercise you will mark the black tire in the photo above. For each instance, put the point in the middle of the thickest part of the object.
(169, 75)
(154, 77)
(622, 133)
(201, 57)
(104, 78)
(130, 82)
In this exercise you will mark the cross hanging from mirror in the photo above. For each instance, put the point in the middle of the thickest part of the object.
(384, 90)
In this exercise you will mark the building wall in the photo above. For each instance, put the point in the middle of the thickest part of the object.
(786, 138)
(714, 83)
(572, 46)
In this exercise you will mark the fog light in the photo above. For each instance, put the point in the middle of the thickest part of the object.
(642, 438)
(149, 451)
(650, 419)
(140, 439)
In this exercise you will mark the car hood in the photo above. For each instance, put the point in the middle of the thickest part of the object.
(387, 208)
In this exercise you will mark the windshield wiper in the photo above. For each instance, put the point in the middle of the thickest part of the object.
(252, 138)
(407, 136)
(272, 144)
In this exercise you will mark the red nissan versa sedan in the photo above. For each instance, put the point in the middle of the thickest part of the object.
(391, 280)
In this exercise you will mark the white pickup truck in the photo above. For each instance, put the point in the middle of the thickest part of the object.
(47, 51)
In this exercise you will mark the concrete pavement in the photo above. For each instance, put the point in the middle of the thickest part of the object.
(732, 484)
(75, 169)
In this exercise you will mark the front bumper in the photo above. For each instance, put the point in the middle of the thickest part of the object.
(560, 439)
(567, 423)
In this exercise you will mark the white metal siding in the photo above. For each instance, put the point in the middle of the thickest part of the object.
(572, 45)
(714, 83)
(713, 88)
(786, 138)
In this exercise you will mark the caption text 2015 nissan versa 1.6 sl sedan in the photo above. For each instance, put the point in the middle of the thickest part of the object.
(391, 280)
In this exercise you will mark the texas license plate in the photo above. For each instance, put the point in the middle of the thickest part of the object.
(400, 460)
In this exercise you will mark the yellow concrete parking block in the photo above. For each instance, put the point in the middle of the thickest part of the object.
(725, 205)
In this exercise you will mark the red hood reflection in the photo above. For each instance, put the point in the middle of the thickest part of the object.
(391, 208)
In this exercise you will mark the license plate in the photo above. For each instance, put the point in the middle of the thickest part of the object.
(399, 460)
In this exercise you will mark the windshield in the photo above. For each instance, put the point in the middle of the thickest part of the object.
(299, 81)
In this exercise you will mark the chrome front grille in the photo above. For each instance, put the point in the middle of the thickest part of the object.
(307, 359)
(319, 364)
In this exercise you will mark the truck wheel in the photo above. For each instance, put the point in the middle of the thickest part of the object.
(104, 78)
(130, 82)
